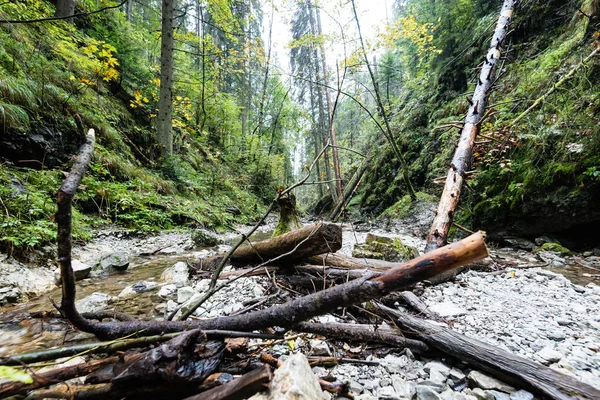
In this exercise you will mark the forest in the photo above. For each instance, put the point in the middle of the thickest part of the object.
(294, 199)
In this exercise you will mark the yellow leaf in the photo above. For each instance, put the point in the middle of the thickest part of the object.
(292, 344)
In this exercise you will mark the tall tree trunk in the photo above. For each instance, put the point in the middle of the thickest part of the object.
(332, 135)
(164, 125)
(438, 234)
(382, 110)
(129, 10)
(64, 8)
(322, 124)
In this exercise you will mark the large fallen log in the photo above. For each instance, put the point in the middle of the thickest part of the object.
(341, 261)
(305, 242)
(502, 364)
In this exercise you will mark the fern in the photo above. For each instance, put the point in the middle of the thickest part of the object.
(18, 91)
(13, 116)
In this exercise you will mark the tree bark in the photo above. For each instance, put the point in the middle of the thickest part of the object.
(442, 222)
(164, 124)
(349, 190)
(241, 388)
(319, 238)
(363, 334)
(64, 8)
(502, 364)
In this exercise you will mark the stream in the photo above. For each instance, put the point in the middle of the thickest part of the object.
(479, 303)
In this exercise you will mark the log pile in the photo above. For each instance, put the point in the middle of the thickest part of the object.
(197, 358)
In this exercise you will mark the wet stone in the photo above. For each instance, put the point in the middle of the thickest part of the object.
(118, 261)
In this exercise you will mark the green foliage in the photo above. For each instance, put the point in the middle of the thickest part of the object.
(15, 375)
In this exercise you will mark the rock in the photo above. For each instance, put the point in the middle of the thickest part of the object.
(138, 288)
(499, 395)
(384, 248)
(294, 380)
(9, 295)
(319, 348)
(480, 394)
(481, 380)
(456, 375)
(555, 248)
(440, 367)
(167, 291)
(521, 395)
(550, 355)
(178, 274)
(184, 294)
(404, 389)
(354, 387)
(447, 309)
(427, 393)
(438, 387)
(204, 239)
(387, 393)
(117, 260)
(171, 306)
(519, 243)
(80, 271)
(92, 303)
(556, 335)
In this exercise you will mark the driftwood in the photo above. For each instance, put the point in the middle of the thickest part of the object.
(319, 238)
(363, 333)
(240, 388)
(54, 376)
(341, 261)
(442, 222)
(502, 364)
(120, 345)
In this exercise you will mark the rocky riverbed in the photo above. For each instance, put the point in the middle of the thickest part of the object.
(520, 304)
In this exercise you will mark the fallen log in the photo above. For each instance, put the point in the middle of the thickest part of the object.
(118, 345)
(502, 364)
(54, 376)
(363, 333)
(316, 239)
(341, 261)
(241, 388)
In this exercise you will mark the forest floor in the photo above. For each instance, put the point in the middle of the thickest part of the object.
(544, 307)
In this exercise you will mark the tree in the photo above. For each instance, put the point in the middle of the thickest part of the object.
(164, 125)
(64, 8)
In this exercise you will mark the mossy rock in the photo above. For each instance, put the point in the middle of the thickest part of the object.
(384, 248)
(203, 239)
(554, 248)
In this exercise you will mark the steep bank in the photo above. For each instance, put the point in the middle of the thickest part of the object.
(538, 176)
(59, 79)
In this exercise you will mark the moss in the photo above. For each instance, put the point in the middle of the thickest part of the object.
(405, 206)
(554, 248)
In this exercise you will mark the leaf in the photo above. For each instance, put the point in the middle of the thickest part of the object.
(292, 344)
(14, 374)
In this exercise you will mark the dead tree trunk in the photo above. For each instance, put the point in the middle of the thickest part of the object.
(349, 190)
(502, 364)
(317, 239)
(438, 234)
